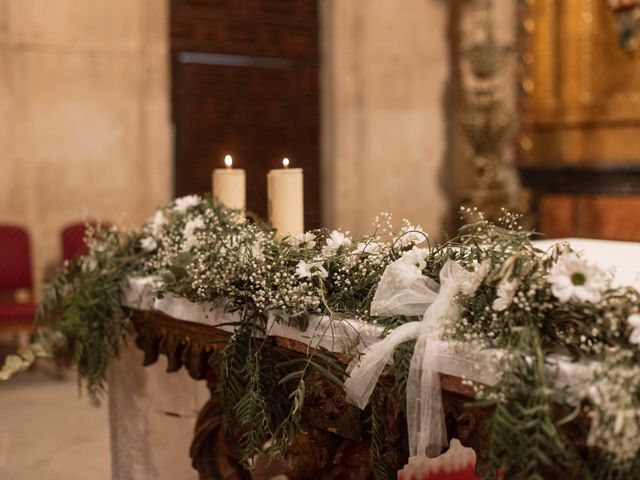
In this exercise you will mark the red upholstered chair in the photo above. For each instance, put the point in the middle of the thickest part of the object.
(73, 235)
(73, 240)
(15, 276)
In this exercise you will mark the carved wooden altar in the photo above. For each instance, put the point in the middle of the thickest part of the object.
(333, 445)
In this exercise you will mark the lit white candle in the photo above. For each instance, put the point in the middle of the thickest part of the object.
(228, 185)
(286, 199)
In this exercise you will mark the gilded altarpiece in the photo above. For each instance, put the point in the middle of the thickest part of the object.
(581, 91)
(580, 118)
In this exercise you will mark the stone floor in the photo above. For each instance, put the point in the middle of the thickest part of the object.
(49, 432)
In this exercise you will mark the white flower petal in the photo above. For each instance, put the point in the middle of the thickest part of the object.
(635, 336)
(336, 240)
(307, 239)
(148, 244)
(158, 221)
(634, 320)
(506, 291)
(308, 270)
(182, 204)
(568, 269)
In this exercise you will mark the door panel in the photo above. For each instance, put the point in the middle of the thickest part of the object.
(245, 82)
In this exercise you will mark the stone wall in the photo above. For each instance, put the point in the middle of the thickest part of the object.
(385, 68)
(84, 114)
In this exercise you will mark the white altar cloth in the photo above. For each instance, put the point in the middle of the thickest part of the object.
(335, 335)
(349, 336)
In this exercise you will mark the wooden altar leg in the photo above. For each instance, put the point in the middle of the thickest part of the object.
(323, 455)
(213, 452)
(469, 425)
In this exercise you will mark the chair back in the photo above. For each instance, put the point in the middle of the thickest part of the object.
(73, 238)
(73, 243)
(15, 259)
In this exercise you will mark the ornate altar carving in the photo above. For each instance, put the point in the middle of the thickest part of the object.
(487, 123)
(193, 346)
(333, 445)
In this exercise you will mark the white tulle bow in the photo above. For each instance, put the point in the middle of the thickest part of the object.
(415, 295)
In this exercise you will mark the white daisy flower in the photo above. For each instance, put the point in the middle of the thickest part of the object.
(410, 235)
(336, 240)
(307, 239)
(189, 232)
(183, 204)
(416, 257)
(372, 248)
(158, 221)
(634, 322)
(506, 291)
(311, 269)
(148, 244)
(574, 278)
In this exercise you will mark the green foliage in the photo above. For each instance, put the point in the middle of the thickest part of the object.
(401, 362)
(251, 412)
(242, 398)
(382, 453)
(265, 395)
(207, 253)
(81, 316)
(526, 442)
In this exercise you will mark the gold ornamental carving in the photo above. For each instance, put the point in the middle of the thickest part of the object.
(487, 123)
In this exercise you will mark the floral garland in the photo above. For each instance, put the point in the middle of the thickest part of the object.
(529, 304)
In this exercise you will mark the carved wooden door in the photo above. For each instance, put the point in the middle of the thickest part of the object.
(245, 82)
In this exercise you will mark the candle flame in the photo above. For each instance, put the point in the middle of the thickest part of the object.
(228, 161)
(285, 162)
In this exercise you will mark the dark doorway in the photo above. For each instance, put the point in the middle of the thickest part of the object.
(245, 82)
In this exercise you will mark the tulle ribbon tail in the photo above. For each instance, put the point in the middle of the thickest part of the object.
(365, 371)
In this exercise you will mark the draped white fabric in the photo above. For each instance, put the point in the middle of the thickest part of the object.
(340, 336)
(425, 415)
